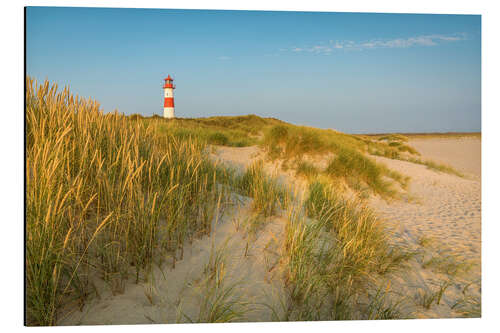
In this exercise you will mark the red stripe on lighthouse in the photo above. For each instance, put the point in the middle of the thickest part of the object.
(169, 102)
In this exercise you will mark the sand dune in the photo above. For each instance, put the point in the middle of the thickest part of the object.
(175, 294)
(440, 221)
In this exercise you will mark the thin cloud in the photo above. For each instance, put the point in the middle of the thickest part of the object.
(224, 58)
(418, 41)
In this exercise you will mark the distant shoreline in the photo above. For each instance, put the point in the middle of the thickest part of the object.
(427, 135)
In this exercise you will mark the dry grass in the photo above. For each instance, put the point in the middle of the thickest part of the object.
(104, 195)
(333, 252)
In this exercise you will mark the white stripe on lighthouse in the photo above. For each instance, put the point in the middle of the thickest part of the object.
(168, 113)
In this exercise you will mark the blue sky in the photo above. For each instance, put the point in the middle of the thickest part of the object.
(357, 73)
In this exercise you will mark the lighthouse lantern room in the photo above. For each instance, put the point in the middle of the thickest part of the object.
(168, 105)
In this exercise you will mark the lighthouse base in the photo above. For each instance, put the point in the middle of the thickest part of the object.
(168, 113)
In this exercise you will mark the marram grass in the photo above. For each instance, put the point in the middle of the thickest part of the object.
(104, 195)
(334, 251)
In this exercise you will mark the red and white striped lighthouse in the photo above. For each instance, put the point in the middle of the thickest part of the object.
(168, 105)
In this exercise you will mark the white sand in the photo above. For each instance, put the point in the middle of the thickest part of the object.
(447, 210)
(446, 207)
(464, 154)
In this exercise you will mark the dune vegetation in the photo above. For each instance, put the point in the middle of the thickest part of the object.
(335, 252)
(296, 145)
(104, 196)
(109, 196)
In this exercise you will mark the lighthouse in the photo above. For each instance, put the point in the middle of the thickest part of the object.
(168, 105)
